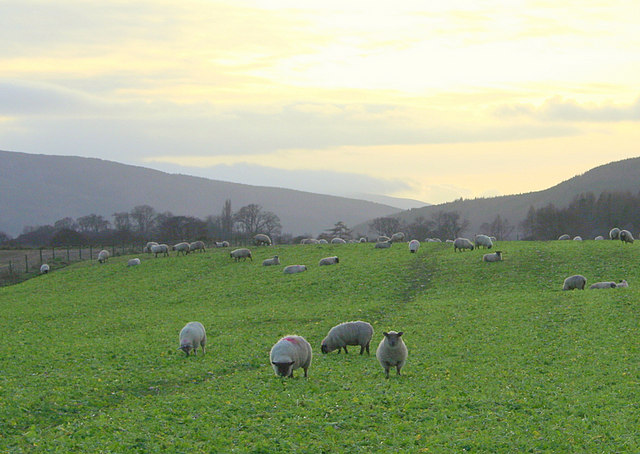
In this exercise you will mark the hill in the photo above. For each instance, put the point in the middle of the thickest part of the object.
(616, 176)
(500, 360)
(40, 189)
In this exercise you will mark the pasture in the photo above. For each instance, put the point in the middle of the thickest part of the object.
(500, 359)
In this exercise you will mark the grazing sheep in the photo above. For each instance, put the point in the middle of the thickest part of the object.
(614, 233)
(272, 261)
(192, 335)
(577, 238)
(493, 238)
(133, 262)
(338, 241)
(495, 257)
(292, 269)
(241, 253)
(225, 244)
(462, 243)
(598, 285)
(181, 247)
(449, 241)
(329, 261)
(383, 245)
(572, 282)
(348, 333)
(414, 245)
(44, 268)
(322, 241)
(625, 236)
(160, 249)
(564, 237)
(147, 247)
(484, 241)
(622, 284)
(197, 246)
(382, 239)
(392, 352)
(362, 240)
(290, 353)
(262, 239)
(599, 237)
(397, 237)
(103, 255)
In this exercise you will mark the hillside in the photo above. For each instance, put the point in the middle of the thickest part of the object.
(40, 189)
(616, 176)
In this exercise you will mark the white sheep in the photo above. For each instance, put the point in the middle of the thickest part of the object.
(362, 240)
(577, 238)
(338, 241)
(574, 282)
(292, 269)
(290, 353)
(614, 233)
(192, 335)
(599, 285)
(414, 245)
(44, 268)
(397, 237)
(564, 237)
(242, 253)
(133, 262)
(383, 245)
(348, 333)
(392, 352)
(147, 247)
(181, 247)
(103, 255)
(598, 238)
(462, 243)
(625, 236)
(329, 261)
(622, 284)
(197, 246)
(484, 241)
(262, 239)
(322, 241)
(382, 239)
(160, 249)
(495, 257)
(272, 261)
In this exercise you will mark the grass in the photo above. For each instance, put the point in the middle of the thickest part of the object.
(500, 359)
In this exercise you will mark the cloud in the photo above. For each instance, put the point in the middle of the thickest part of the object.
(558, 109)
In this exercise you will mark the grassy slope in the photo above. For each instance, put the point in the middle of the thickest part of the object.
(500, 360)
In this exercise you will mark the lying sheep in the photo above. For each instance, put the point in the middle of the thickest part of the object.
(382, 239)
(290, 353)
(484, 241)
(462, 243)
(329, 261)
(160, 249)
(197, 246)
(577, 238)
(181, 247)
(292, 269)
(572, 282)
(242, 253)
(44, 268)
(564, 237)
(495, 257)
(133, 262)
(382, 245)
(599, 285)
(397, 237)
(272, 261)
(147, 247)
(599, 237)
(348, 333)
(614, 233)
(103, 255)
(338, 241)
(192, 335)
(414, 245)
(625, 236)
(622, 284)
(322, 241)
(392, 352)
(262, 239)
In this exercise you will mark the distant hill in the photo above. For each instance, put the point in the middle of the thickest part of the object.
(38, 189)
(402, 203)
(616, 176)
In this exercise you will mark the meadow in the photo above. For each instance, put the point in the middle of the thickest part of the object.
(501, 360)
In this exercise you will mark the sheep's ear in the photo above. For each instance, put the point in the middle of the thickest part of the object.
(400, 333)
(385, 334)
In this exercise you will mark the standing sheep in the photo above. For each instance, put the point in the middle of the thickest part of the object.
(147, 247)
(329, 261)
(614, 233)
(484, 241)
(397, 237)
(348, 333)
(572, 282)
(241, 253)
(495, 257)
(192, 335)
(392, 352)
(160, 249)
(290, 353)
(133, 262)
(181, 247)
(197, 246)
(103, 255)
(382, 239)
(272, 261)
(462, 243)
(625, 236)
(322, 241)
(414, 245)
(292, 269)
(262, 239)
(44, 268)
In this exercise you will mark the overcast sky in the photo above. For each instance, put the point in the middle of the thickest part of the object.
(431, 100)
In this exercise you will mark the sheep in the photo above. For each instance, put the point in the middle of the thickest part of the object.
(392, 352)
(241, 253)
(622, 284)
(197, 246)
(44, 268)
(133, 262)
(290, 353)
(292, 269)
(181, 247)
(599, 285)
(598, 238)
(362, 240)
(382, 239)
(449, 241)
(221, 244)
(572, 282)
(493, 238)
(160, 249)
(147, 247)
(322, 241)
(625, 236)
(564, 237)
(577, 238)
(396, 237)
(614, 233)
(225, 244)
(262, 239)
(484, 241)
(436, 240)
(348, 333)
(329, 261)
(462, 243)
(338, 241)
(495, 257)
(414, 245)
(103, 255)
(192, 335)
(383, 245)
(272, 261)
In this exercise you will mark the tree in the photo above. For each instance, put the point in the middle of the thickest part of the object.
(339, 230)
(226, 220)
(251, 220)
(93, 223)
(386, 226)
(122, 221)
(182, 228)
(500, 228)
(447, 224)
(4, 237)
(143, 216)
(66, 223)
(420, 228)
(68, 237)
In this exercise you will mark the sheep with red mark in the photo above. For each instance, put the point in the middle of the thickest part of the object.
(290, 353)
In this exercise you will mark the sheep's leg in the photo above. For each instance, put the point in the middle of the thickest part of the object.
(305, 371)
(361, 349)
(345, 350)
(398, 367)
(386, 371)
(368, 348)
(203, 350)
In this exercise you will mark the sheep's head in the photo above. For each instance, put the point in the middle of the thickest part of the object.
(186, 347)
(393, 338)
(283, 369)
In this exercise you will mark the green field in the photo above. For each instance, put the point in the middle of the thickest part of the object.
(500, 359)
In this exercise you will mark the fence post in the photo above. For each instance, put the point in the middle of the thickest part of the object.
(90, 252)
(68, 255)
(80, 252)
(53, 253)
(26, 263)
(10, 267)
(113, 250)
(41, 256)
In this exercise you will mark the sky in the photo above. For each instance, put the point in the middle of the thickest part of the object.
(428, 100)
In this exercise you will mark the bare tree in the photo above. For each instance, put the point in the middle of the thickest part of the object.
(122, 221)
(143, 216)
(385, 225)
(447, 224)
(226, 220)
(93, 223)
(66, 223)
(340, 230)
(251, 219)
